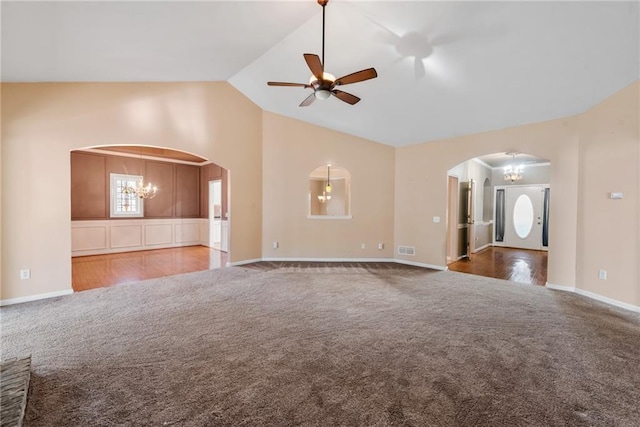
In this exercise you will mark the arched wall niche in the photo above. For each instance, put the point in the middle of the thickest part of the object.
(330, 192)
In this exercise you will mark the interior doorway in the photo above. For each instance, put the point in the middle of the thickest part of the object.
(215, 214)
(146, 214)
(497, 222)
(452, 219)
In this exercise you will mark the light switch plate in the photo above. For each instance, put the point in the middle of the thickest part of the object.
(436, 219)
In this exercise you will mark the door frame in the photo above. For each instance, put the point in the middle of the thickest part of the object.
(213, 221)
(505, 187)
(452, 217)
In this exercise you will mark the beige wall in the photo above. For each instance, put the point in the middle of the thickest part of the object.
(591, 155)
(42, 123)
(292, 149)
(608, 230)
(421, 188)
(395, 192)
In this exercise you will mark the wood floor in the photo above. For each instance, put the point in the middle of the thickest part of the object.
(96, 271)
(89, 272)
(516, 265)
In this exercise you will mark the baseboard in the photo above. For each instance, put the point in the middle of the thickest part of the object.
(246, 261)
(481, 248)
(29, 298)
(596, 297)
(328, 260)
(560, 287)
(297, 259)
(420, 264)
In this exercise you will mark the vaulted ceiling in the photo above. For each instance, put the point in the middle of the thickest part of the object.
(445, 68)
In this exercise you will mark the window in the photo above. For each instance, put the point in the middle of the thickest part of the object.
(124, 201)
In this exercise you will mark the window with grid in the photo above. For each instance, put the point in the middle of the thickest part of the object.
(124, 201)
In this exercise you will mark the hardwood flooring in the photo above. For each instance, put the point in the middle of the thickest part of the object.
(517, 265)
(96, 271)
(89, 272)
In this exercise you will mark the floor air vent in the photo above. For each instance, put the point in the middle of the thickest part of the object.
(406, 250)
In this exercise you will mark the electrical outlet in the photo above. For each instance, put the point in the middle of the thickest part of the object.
(275, 245)
(362, 246)
(25, 274)
(436, 219)
(602, 274)
(380, 246)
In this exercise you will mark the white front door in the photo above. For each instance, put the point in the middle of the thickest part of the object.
(523, 217)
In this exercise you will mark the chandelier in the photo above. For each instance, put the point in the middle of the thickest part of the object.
(325, 196)
(513, 172)
(141, 190)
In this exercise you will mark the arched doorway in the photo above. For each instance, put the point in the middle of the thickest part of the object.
(502, 222)
(121, 235)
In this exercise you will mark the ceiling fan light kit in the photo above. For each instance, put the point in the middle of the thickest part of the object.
(324, 84)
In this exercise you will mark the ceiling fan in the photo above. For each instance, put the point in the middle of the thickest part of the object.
(324, 84)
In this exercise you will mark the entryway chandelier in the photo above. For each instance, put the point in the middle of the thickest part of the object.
(141, 190)
(325, 196)
(513, 172)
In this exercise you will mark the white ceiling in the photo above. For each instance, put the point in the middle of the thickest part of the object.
(483, 66)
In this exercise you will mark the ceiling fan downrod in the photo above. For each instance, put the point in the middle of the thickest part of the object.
(323, 3)
(324, 84)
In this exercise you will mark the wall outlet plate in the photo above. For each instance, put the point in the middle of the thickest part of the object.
(602, 274)
(25, 274)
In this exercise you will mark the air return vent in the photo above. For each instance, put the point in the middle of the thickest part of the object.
(406, 250)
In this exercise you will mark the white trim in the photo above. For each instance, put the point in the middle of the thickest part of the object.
(390, 260)
(488, 245)
(96, 237)
(329, 217)
(483, 163)
(146, 157)
(560, 287)
(595, 296)
(328, 259)
(246, 261)
(113, 194)
(36, 297)
(526, 165)
(502, 187)
(420, 264)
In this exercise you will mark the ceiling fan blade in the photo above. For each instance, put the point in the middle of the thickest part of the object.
(315, 65)
(346, 97)
(288, 84)
(359, 76)
(308, 100)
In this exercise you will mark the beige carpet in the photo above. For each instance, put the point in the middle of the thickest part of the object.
(356, 344)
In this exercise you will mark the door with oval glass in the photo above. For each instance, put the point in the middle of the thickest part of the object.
(524, 217)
